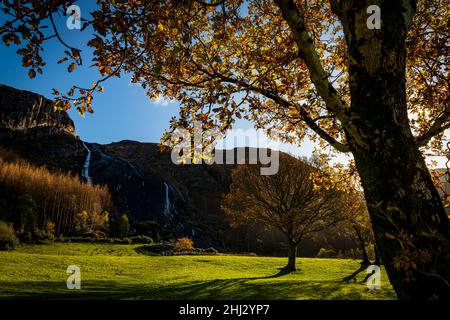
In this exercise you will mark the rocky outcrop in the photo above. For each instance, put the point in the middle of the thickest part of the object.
(30, 126)
(26, 111)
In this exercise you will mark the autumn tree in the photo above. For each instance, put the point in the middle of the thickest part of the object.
(299, 68)
(356, 222)
(25, 213)
(288, 201)
(68, 203)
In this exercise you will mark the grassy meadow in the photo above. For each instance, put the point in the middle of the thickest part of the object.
(112, 271)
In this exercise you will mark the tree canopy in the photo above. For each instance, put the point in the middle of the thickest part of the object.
(281, 64)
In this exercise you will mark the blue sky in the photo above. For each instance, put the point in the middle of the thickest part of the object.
(122, 112)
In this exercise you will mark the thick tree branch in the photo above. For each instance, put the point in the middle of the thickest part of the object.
(310, 122)
(441, 124)
(307, 52)
(305, 116)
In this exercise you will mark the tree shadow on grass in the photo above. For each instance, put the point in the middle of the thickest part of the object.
(280, 273)
(234, 289)
(144, 251)
(355, 274)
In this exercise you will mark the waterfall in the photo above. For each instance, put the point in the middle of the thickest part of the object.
(167, 204)
(87, 164)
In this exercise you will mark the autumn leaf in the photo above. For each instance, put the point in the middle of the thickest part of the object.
(62, 60)
(72, 67)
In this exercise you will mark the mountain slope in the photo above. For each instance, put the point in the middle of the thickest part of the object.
(144, 183)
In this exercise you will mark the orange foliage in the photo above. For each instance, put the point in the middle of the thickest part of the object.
(184, 244)
(59, 197)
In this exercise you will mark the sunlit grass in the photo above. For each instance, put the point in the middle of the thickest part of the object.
(121, 272)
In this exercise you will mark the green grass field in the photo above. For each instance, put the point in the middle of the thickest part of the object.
(124, 272)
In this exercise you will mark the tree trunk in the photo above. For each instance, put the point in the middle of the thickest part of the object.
(362, 245)
(365, 256)
(410, 225)
(292, 255)
(377, 255)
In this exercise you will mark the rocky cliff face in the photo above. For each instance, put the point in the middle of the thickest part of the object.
(26, 111)
(29, 126)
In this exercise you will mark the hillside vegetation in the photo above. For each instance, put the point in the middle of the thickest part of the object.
(123, 272)
(34, 198)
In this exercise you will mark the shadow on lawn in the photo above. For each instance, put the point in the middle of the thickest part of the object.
(241, 288)
(144, 251)
(219, 289)
(355, 274)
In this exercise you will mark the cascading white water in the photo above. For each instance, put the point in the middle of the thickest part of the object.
(167, 204)
(87, 164)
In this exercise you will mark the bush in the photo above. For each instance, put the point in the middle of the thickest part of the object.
(42, 236)
(148, 228)
(104, 240)
(123, 241)
(50, 227)
(89, 234)
(211, 250)
(95, 240)
(184, 244)
(8, 240)
(81, 239)
(37, 236)
(197, 252)
(120, 226)
(142, 239)
(101, 234)
(26, 237)
(326, 253)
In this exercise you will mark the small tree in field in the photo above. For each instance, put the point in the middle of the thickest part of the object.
(356, 223)
(288, 201)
